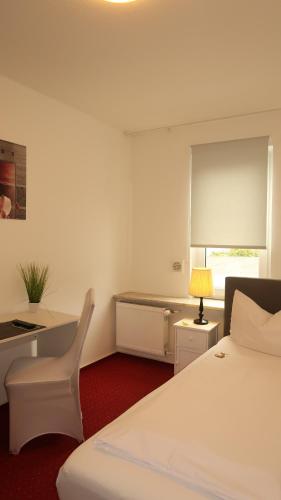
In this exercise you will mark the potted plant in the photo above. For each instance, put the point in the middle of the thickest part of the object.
(35, 277)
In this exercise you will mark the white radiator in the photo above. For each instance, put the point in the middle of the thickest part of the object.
(142, 328)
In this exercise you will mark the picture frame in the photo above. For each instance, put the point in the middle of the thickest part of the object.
(12, 180)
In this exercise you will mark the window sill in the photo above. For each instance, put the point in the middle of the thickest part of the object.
(179, 303)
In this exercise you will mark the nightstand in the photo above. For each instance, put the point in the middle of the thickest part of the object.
(192, 340)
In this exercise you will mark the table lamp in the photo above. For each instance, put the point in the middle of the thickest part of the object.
(201, 285)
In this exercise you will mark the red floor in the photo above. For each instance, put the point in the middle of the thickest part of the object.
(108, 388)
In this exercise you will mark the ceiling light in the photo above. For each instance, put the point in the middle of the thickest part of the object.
(119, 1)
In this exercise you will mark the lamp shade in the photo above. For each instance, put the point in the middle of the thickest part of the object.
(201, 283)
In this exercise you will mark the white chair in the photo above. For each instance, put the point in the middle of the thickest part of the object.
(43, 393)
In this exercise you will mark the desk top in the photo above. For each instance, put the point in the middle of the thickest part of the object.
(44, 317)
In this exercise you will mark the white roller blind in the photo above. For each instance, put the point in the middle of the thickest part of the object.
(229, 194)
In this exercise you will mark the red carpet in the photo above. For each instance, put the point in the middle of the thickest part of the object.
(108, 388)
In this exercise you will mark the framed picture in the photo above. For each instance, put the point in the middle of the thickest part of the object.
(12, 180)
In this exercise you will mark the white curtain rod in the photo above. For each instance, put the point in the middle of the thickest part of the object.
(198, 122)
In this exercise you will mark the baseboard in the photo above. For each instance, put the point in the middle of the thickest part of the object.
(169, 358)
(98, 359)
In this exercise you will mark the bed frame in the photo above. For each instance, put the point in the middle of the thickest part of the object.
(265, 292)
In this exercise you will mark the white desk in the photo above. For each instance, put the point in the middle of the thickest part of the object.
(54, 340)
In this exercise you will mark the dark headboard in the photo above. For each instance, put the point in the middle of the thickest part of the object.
(265, 292)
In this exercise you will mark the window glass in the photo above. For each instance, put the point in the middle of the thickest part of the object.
(232, 262)
(229, 262)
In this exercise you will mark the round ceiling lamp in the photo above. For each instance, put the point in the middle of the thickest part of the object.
(119, 1)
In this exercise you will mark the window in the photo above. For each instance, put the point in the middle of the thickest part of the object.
(230, 262)
(230, 208)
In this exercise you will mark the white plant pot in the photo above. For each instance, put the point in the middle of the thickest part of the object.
(33, 306)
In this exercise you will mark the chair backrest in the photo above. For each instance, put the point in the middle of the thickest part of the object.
(72, 357)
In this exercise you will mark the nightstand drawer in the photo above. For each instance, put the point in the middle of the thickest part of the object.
(192, 340)
(195, 341)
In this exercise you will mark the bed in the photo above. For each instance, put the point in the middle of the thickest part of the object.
(213, 431)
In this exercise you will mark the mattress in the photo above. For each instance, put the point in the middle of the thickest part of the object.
(223, 401)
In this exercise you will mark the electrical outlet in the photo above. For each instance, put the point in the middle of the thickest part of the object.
(177, 266)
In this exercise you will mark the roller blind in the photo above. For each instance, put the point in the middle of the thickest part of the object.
(229, 194)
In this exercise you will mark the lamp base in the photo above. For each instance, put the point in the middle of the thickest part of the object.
(199, 321)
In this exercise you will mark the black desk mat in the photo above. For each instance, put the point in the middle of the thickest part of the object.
(8, 329)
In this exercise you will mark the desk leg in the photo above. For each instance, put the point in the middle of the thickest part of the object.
(57, 341)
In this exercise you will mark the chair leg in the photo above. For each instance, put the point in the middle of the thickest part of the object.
(27, 419)
(15, 443)
(14, 451)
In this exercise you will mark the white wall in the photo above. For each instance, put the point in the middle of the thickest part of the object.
(161, 196)
(78, 209)
(79, 199)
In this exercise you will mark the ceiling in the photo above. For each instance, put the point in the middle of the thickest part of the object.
(148, 63)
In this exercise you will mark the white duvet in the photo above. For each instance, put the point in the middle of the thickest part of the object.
(216, 426)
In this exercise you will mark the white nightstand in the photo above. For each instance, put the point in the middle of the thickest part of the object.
(192, 340)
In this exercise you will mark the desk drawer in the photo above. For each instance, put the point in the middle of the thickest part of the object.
(192, 340)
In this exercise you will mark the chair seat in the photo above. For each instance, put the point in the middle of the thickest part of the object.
(32, 370)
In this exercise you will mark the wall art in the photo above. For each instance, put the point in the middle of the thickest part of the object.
(12, 180)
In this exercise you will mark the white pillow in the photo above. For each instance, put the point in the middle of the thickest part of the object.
(253, 327)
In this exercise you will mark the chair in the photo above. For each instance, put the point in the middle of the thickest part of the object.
(43, 392)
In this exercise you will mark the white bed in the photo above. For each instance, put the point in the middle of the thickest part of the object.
(213, 431)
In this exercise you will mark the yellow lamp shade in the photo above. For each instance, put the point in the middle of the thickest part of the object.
(201, 283)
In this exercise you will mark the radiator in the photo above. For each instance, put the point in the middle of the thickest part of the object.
(142, 328)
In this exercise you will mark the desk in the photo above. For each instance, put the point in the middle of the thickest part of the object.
(54, 340)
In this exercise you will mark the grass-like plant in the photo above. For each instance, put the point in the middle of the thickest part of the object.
(35, 277)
